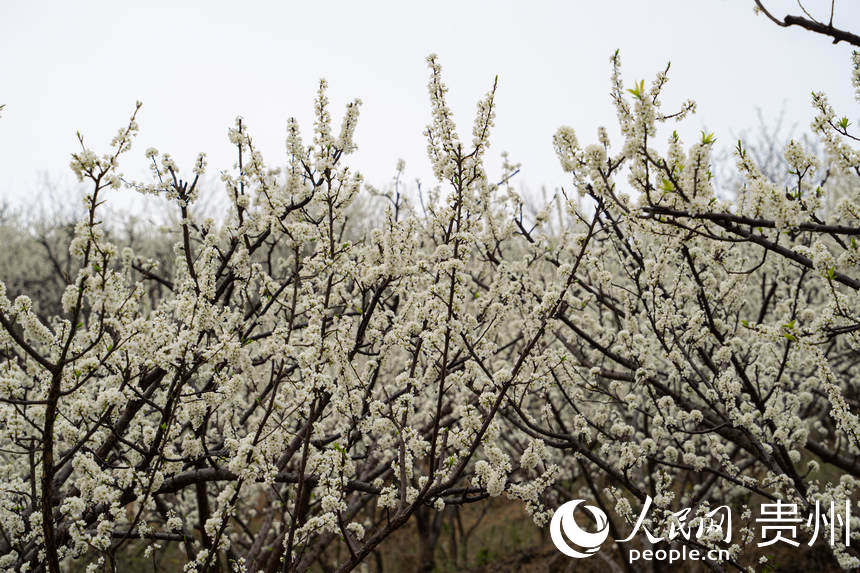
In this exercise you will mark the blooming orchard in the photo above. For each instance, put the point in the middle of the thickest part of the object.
(714, 339)
(291, 386)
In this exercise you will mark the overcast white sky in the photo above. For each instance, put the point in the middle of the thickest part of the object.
(70, 66)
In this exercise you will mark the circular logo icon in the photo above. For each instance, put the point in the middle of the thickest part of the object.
(563, 521)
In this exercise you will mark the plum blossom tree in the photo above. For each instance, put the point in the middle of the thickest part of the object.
(292, 380)
(296, 382)
(713, 339)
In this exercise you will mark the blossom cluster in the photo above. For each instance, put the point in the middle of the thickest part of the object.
(295, 380)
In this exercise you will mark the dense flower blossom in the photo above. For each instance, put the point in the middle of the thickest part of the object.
(291, 377)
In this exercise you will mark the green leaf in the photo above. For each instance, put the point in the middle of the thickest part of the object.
(638, 89)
